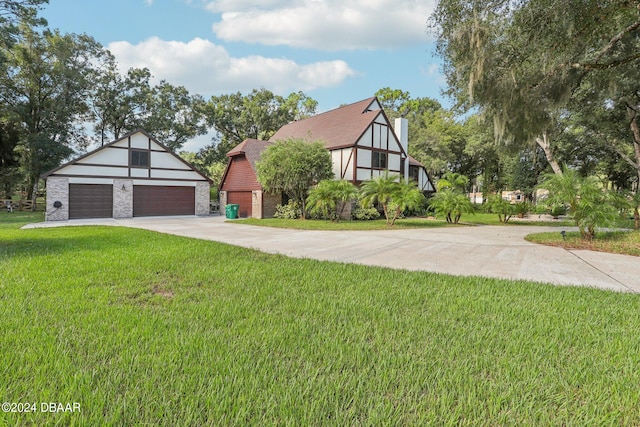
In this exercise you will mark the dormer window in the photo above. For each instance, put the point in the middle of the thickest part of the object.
(140, 158)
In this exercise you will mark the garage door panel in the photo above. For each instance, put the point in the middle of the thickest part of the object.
(242, 198)
(90, 201)
(151, 200)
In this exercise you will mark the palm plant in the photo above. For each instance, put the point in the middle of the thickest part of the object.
(505, 210)
(320, 200)
(451, 204)
(587, 201)
(382, 189)
(327, 195)
(408, 196)
(393, 194)
(453, 181)
(344, 192)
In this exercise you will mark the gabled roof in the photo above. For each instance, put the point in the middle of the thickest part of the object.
(337, 128)
(414, 162)
(145, 133)
(251, 148)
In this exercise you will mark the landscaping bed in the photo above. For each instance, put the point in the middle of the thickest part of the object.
(617, 242)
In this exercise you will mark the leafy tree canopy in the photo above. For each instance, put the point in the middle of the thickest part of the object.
(258, 115)
(521, 62)
(292, 167)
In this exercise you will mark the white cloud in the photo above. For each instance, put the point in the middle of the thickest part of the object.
(434, 73)
(324, 24)
(205, 68)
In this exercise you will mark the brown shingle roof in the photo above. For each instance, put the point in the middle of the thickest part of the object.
(251, 148)
(337, 128)
(414, 162)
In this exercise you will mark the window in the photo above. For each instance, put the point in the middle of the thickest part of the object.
(414, 173)
(139, 158)
(379, 160)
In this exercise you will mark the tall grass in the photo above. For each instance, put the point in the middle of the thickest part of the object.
(144, 328)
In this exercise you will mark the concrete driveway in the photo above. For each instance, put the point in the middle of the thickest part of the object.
(491, 251)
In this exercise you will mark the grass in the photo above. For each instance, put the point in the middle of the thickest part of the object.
(145, 328)
(315, 224)
(481, 218)
(617, 242)
(380, 224)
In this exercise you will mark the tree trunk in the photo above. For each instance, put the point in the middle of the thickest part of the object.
(386, 213)
(635, 129)
(546, 147)
(34, 195)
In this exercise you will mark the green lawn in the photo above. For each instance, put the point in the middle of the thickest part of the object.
(144, 328)
(315, 224)
(380, 224)
(481, 218)
(617, 242)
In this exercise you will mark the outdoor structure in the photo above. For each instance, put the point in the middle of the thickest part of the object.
(513, 196)
(360, 138)
(133, 176)
(476, 197)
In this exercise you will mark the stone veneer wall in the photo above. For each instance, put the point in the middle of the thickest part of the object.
(202, 198)
(222, 196)
(122, 198)
(57, 190)
(256, 204)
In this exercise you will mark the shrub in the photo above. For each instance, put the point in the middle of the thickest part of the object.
(558, 210)
(291, 210)
(213, 194)
(365, 214)
(541, 209)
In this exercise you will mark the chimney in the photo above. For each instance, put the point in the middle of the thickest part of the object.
(401, 127)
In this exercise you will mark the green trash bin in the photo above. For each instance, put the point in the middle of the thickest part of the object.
(231, 211)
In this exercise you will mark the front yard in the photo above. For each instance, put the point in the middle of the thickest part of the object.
(144, 328)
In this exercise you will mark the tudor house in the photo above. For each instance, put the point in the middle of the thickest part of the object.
(360, 138)
(133, 176)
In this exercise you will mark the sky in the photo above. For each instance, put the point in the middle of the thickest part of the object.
(335, 51)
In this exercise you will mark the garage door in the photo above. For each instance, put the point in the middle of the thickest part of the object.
(151, 200)
(242, 198)
(90, 201)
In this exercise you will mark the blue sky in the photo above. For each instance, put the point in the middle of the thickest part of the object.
(336, 51)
